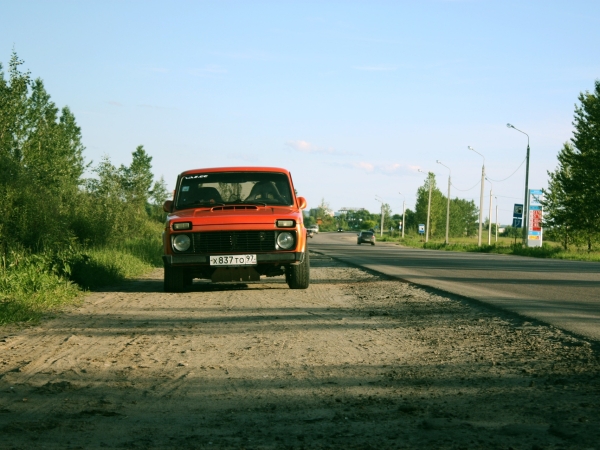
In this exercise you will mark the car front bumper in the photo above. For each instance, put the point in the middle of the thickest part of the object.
(261, 258)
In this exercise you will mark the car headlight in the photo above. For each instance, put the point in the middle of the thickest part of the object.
(182, 225)
(285, 223)
(181, 242)
(285, 240)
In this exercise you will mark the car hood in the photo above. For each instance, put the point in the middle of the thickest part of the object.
(227, 215)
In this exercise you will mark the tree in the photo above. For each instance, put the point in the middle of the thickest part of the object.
(437, 219)
(463, 217)
(41, 162)
(137, 178)
(558, 212)
(574, 191)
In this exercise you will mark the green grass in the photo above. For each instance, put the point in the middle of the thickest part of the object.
(29, 289)
(34, 285)
(505, 246)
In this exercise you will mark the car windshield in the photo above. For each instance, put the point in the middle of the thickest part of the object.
(229, 188)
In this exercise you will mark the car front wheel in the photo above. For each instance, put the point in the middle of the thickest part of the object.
(174, 279)
(298, 277)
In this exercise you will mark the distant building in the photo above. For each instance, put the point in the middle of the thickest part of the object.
(314, 212)
(344, 210)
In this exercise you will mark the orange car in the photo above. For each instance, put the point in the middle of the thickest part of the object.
(234, 224)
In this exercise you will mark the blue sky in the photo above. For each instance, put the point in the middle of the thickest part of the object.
(352, 97)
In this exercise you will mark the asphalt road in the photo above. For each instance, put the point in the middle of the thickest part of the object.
(562, 293)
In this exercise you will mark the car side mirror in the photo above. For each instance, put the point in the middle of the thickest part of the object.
(302, 203)
(168, 206)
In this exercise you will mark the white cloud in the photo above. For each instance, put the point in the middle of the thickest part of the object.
(307, 147)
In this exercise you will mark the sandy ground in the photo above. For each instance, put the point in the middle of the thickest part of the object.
(355, 361)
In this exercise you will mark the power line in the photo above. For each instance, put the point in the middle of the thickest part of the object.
(499, 181)
(465, 190)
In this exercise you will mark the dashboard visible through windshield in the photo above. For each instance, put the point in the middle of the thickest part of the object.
(229, 188)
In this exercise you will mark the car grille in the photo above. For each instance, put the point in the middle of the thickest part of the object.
(233, 241)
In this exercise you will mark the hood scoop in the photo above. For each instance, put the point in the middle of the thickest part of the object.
(234, 208)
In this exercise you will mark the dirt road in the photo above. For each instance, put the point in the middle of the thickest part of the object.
(355, 361)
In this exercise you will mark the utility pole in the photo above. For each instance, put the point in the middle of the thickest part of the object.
(496, 218)
(380, 228)
(403, 212)
(428, 212)
(381, 231)
(526, 201)
(490, 219)
(448, 205)
(428, 206)
(480, 195)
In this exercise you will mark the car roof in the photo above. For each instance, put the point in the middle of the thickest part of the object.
(236, 169)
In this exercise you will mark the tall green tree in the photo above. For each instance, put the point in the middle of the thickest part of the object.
(573, 201)
(463, 217)
(559, 214)
(137, 177)
(41, 162)
(437, 219)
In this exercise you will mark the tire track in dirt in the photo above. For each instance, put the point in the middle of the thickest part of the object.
(355, 361)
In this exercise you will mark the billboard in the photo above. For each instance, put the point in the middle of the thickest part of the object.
(517, 216)
(536, 214)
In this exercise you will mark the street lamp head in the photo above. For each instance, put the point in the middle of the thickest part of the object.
(509, 125)
(470, 148)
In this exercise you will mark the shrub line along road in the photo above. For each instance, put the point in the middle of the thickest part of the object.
(562, 293)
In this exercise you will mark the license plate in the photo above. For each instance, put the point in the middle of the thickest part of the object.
(233, 260)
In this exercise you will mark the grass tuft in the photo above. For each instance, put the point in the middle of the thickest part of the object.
(32, 285)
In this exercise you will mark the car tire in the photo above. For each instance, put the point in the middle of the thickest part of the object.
(173, 279)
(372, 243)
(358, 243)
(298, 276)
(188, 279)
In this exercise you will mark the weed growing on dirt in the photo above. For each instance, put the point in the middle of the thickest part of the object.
(34, 284)
(29, 287)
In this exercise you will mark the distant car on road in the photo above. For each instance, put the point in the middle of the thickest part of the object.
(340, 230)
(313, 228)
(367, 237)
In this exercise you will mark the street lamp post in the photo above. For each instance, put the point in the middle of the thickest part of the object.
(448, 205)
(525, 202)
(490, 214)
(428, 207)
(481, 195)
(496, 218)
(403, 211)
(380, 228)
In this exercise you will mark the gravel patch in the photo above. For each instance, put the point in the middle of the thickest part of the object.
(355, 361)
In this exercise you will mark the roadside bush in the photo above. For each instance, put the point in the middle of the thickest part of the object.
(31, 285)
(104, 267)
